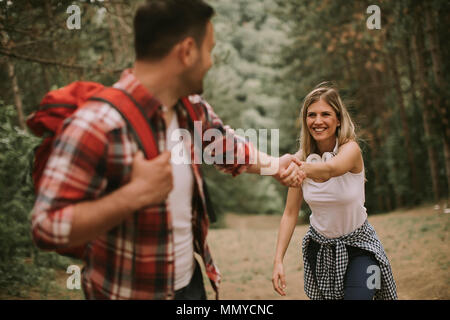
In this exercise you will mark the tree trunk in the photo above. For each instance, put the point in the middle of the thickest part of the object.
(125, 31)
(418, 49)
(46, 78)
(405, 126)
(411, 74)
(378, 183)
(14, 83)
(378, 110)
(17, 95)
(436, 58)
(114, 38)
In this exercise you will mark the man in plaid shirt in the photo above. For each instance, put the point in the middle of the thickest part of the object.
(144, 219)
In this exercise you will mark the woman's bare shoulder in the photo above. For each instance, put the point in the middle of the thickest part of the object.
(350, 145)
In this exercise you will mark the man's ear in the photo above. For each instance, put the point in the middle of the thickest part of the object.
(188, 51)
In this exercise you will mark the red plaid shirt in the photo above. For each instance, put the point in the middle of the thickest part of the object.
(93, 157)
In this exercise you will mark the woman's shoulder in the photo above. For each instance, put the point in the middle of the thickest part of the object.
(350, 145)
(353, 149)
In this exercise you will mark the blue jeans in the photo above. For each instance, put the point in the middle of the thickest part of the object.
(195, 290)
(356, 275)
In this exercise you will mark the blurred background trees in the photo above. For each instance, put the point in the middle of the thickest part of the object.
(269, 55)
(395, 82)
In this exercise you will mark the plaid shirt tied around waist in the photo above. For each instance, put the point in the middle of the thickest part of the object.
(92, 157)
(331, 268)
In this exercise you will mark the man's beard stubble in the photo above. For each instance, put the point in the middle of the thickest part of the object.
(192, 84)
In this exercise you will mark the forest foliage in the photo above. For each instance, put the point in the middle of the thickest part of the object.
(269, 55)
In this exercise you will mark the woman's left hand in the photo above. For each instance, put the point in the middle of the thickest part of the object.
(278, 278)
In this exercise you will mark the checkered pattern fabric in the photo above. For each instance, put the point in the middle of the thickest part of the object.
(330, 269)
(91, 158)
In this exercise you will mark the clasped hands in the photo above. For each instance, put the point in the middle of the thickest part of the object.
(290, 173)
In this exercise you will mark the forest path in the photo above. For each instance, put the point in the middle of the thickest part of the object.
(416, 242)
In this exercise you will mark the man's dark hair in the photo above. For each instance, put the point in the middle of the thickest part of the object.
(160, 24)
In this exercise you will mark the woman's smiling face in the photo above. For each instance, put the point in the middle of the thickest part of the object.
(322, 121)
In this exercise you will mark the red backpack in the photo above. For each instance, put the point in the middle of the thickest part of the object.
(60, 104)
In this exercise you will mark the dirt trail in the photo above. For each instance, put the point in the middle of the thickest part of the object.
(416, 242)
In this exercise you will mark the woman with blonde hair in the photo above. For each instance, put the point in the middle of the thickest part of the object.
(343, 257)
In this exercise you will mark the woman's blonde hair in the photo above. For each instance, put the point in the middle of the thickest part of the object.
(345, 132)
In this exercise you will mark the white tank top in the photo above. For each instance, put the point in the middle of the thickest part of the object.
(180, 207)
(337, 205)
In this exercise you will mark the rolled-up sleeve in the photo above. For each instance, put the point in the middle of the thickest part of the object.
(73, 174)
(232, 153)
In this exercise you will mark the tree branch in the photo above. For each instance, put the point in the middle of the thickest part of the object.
(57, 63)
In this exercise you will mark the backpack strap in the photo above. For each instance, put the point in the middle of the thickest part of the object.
(190, 109)
(134, 116)
(140, 126)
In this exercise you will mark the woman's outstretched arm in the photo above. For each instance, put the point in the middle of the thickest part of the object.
(348, 159)
(287, 226)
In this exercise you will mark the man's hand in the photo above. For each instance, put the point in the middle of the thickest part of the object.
(151, 182)
(151, 179)
(289, 173)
